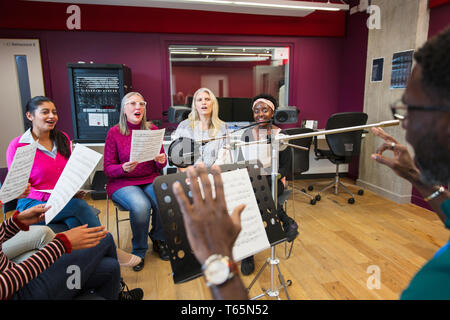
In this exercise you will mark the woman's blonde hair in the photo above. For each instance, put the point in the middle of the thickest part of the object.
(216, 123)
(123, 126)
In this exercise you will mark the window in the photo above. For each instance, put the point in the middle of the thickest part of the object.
(231, 72)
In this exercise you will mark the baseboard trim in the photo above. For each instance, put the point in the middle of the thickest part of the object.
(398, 198)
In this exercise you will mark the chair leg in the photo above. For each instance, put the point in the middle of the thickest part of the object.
(346, 189)
(332, 184)
(117, 228)
(107, 212)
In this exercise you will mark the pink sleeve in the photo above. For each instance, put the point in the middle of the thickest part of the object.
(111, 163)
(11, 151)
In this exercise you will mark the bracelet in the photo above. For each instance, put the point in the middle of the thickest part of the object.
(435, 194)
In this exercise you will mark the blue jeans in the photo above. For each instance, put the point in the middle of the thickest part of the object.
(98, 268)
(76, 213)
(139, 200)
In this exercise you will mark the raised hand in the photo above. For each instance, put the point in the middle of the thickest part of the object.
(402, 163)
(209, 227)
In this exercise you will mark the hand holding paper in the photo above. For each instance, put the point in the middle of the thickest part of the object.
(16, 181)
(146, 144)
(80, 165)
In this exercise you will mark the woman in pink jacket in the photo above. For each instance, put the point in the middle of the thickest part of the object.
(130, 183)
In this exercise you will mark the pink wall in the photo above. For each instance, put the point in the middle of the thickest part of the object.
(315, 68)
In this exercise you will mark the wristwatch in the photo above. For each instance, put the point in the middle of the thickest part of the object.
(218, 269)
(435, 194)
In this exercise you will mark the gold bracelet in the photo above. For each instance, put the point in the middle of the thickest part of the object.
(435, 194)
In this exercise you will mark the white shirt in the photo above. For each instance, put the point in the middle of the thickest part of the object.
(27, 137)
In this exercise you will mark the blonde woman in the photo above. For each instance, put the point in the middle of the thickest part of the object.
(202, 124)
(131, 183)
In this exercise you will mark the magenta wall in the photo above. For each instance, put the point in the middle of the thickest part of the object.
(315, 70)
(353, 73)
(439, 19)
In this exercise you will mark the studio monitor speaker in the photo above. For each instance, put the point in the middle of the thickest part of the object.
(285, 115)
(178, 113)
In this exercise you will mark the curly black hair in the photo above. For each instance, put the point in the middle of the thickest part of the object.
(434, 58)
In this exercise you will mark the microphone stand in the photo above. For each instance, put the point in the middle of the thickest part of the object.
(272, 260)
(275, 143)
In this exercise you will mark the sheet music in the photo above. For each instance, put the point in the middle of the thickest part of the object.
(146, 144)
(19, 173)
(239, 190)
(77, 170)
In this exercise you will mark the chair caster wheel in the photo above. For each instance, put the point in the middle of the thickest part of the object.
(360, 192)
(304, 190)
(313, 201)
(310, 188)
(351, 200)
(318, 197)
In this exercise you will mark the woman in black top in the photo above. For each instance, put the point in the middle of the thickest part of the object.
(264, 106)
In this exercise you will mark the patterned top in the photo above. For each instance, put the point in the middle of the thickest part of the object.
(14, 276)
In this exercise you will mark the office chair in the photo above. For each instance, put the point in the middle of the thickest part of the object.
(342, 146)
(300, 158)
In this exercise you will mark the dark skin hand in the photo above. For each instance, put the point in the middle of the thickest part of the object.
(403, 165)
(209, 227)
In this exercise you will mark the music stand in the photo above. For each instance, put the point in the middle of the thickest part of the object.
(185, 266)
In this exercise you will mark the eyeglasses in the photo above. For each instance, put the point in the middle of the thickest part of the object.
(140, 104)
(400, 110)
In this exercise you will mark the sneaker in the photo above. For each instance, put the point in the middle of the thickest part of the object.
(161, 248)
(248, 265)
(126, 294)
(290, 227)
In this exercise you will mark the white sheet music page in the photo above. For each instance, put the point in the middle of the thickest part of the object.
(253, 237)
(16, 180)
(77, 170)
(146, 144)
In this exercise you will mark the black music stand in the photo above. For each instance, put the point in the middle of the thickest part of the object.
(185, 266)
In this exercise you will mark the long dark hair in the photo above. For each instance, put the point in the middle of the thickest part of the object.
(61, 141)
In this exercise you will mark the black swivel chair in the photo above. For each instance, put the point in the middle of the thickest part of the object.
(300, 158)
(342, 146)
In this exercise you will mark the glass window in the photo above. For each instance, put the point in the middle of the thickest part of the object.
(234, 73)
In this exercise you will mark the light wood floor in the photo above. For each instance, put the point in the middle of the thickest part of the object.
(337, 243)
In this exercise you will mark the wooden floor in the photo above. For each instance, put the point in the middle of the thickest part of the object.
(330, 259)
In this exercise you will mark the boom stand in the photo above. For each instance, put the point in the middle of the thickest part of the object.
(273, 261)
